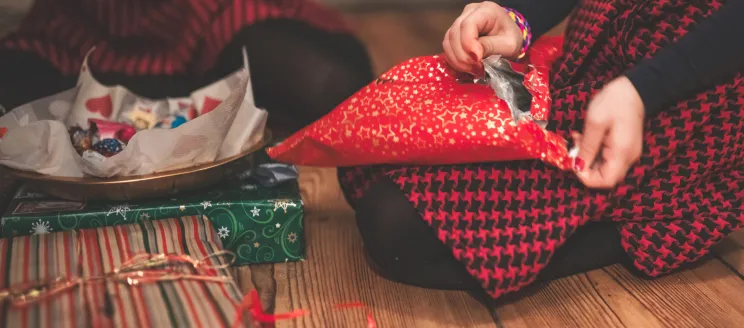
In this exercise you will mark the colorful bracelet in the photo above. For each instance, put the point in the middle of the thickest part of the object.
(524, 26)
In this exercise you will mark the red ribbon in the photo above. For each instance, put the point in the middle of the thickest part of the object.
(252, 303)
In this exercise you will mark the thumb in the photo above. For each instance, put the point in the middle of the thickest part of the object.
(591, 140)
(497, 45)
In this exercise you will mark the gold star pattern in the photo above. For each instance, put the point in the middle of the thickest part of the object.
(415, 109)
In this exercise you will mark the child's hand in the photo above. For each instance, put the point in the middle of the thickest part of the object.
(612, 140)
(483, 29)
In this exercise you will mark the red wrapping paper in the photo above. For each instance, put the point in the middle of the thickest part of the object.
(424, 112)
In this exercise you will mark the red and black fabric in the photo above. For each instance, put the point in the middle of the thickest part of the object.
(145, 37)
(504, 221)
(169, 48)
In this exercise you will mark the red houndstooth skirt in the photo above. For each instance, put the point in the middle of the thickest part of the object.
(504, 221)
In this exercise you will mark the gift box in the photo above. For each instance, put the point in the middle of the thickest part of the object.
(259, 223)
(205, 297)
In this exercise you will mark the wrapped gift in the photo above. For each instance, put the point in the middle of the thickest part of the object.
(200, 293)
(261, 224)
(423, 112)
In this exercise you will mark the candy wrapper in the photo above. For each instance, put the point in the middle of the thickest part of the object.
(215, 122)
(424, 112)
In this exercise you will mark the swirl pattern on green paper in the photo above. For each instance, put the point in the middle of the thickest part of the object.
(259, 224)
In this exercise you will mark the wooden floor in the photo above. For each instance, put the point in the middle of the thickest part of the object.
(710, 296)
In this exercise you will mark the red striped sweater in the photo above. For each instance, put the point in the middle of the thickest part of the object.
(149, 37)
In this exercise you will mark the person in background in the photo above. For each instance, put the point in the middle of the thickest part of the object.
(650, 91)
(302, 58)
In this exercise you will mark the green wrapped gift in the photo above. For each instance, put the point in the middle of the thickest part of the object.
(260, 224)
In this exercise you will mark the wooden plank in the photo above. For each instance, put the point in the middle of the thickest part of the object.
(706, 296)
(568, 302)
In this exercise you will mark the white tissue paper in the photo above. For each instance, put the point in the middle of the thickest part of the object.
(223, 122)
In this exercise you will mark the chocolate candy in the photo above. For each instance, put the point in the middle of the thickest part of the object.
(81, 139)
(108, 147)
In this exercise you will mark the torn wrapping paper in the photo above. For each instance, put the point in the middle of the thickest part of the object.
(423, 112)
(215, 122)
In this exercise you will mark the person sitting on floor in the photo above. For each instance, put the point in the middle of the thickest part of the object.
(667, 74)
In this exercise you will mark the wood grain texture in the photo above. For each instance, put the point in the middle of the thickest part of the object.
(335, 272)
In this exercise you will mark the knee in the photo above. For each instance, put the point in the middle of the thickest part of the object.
(384, 219)
(393, 232)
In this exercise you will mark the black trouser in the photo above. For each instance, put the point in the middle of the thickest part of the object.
(401, 247)
(299, 73)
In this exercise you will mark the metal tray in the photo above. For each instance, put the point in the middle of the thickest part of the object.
(130, 188)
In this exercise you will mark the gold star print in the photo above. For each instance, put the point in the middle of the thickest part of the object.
(351, 115)
(470, 126)
(491, 124)
(182, 208)
(438, 138)
(427, 101)
(256, 244)
(408, 130)
(463, 115)
(452, 141)
(480, 116)
(381, 132)
(364, 132)
(447, 117)
(421, 144)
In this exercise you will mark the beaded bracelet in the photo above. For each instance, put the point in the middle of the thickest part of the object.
(524, 27)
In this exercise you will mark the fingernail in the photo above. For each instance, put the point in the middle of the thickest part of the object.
(474, 57)
(579, 165)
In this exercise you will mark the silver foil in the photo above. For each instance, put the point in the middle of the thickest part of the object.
(509, 86)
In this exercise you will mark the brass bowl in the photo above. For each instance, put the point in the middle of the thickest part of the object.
(130, 188)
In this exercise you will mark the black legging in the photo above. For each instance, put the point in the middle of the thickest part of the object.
(299, 73)
(401, 247)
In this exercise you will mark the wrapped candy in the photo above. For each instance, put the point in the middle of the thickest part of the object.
(82, 140)
(171, 122)
(112, 130)
(424, 112)
(108, 147)
(142, 118)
